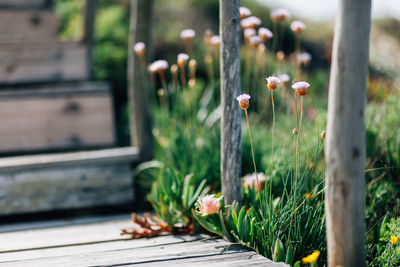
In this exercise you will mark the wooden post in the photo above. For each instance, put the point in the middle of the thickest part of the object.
(231, 146)
(89, 28)
(345, 138)
(140, 121)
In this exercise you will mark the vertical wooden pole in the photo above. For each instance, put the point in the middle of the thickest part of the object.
(345, 138)
(231, 151)
(89, 29)
(140, 121)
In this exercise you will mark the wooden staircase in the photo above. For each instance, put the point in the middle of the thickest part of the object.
(57, 124)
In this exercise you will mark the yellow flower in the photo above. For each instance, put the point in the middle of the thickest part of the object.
(313, 257)
(394, 239)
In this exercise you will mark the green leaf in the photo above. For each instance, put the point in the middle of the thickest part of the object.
(279, 251)
(297, 264)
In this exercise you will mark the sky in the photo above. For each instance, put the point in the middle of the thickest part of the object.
(325, 10)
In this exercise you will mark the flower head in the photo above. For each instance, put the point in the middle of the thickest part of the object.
(265, 34)
(192, 64)
(272, 82)
(394, 239)
(313, 257)
(297, 26)
(280, 55)
(248, 33)
(182, 59)
(323, 134)
(215, 41)
(187, 34)
(280, 14)
(301, 88)
(139, 49)
(250, 22)
(208, 204)
(158, 66)
(244, 101)
(254, 181)
(244, 12)
(303, 58)
(284, 78)
(255, 41)
(174, 69)
(207, 36)
(294, 131)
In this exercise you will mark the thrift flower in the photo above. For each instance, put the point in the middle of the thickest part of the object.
(303, 58)
(323, 134)
(280, 55)
(248, 33)
(174, 69)
(280, 14)
(207, 37)
(182, 59)
(208, 204)
(301, 88)
(284, 78)
(254, 181)
(244, 12)
(394, 240)
(297, 26)
(255, 41)
(187, 34)
(250, 22)
(139, 49)
(158, 66)
(244, 101)
(215, 41)
(272, 82)
(294, 131)
(313, 257)
(265, 34)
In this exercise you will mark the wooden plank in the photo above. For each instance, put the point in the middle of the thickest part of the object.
(136, 255)
(24, 4)
(37, 121)
(249, 258)
(27, 25)
(115, 244)
(42, 62)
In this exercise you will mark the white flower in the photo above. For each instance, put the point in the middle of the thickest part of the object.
(250, 22)
(255, 40)
(272, 82)
(284, 78)
(244, 12)
(297, 26)
(208, 204)
(158, 66)
(188, 34)
(280, 14)
(264, 33)
(249, 32)
(254, 181)
(244, 101)
(301, 87)
(215, 40)
(303, 58)
(182, 59)
(139, 48)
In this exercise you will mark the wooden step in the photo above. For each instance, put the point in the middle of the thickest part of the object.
(41, 62)
(56, 117)
(72, 180)
(28, 25)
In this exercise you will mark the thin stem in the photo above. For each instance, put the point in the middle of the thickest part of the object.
(273, 125)
(183, 75)
(251, 143)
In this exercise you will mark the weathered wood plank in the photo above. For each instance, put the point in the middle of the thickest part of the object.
(24, 62)
(136, 255)
(27, 25)
(35, 120)
(249, 258)
(109, 245)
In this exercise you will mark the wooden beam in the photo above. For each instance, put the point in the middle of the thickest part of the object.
(138, 94)
(231, 151)
(345, 138)
(88, 38)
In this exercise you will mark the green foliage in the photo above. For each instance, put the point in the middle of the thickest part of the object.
(174, 195)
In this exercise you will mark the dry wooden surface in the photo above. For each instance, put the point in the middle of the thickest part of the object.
(98, 243)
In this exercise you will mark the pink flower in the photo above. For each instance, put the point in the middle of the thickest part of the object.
(272, 82)
(255, 41)
(281, 14)
(265, 34)
(139, 48)
(182, 59)
(208, 204)
(215, 41)
(188, 34)
(247, 33)
(297, 26)
(251, 181)
(244, 101)
(250, 22)
(158, 66)
(301, 88)
(303, 58)
(244, 12)
(284, 78)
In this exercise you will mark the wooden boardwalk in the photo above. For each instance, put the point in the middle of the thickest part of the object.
(97, 242)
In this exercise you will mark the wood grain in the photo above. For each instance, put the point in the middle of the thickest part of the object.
(345, 137)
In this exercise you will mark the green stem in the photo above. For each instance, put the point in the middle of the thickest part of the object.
(251, 143)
